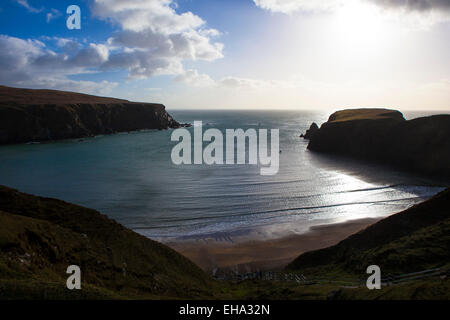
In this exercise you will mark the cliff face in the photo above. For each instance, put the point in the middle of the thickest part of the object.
(42, 115)
(420, 145)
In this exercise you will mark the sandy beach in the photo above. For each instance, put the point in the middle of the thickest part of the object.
(271, 254)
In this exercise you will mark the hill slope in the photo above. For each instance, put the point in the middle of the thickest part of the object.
(412, 240)
(41, 237)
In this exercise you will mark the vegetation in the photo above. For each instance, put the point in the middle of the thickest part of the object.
(365, 114)
(41, 237)
(415, 239)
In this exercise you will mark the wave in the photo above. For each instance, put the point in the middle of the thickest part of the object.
(285, 210)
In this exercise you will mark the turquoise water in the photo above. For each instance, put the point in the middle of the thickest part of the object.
(130, 177)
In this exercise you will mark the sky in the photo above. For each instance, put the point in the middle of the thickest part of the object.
(234, 54)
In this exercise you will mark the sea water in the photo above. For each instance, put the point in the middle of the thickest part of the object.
(130, 177)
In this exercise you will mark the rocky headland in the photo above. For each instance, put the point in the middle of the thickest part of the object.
(28, 115)
(421, 145)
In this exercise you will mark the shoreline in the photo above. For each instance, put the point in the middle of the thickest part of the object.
(270, 254)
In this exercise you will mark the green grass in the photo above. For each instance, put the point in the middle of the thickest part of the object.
(365, 114)
(40, 237)
(431, 289)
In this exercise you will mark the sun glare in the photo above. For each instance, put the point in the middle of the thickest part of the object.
(360, 27)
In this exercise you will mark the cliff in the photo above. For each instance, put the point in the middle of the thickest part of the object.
(41, 237)
(43, 115)
(380, 135)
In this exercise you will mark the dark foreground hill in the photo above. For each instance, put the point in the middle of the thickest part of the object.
(420, 145)
(412, 240)
(417, 239)
(28, 115)
(41, 237)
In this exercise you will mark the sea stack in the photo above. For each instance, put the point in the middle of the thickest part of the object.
(311, 131)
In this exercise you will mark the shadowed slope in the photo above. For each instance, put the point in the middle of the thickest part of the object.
(412, 240)
(41, 237)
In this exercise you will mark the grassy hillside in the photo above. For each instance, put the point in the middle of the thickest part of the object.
(365, 114)
(44, 96)
(413, 240)
(40, 238)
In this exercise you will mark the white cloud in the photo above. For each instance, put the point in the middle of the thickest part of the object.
(49, 14)
(25, 4)
(29, 63)
(138, 15)
(97, 88)
(52, 14)
(195, 79)
(236, 82)
(291, 6)
(154, 39)
(414, 13)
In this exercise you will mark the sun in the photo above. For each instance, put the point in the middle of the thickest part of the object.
(360, 26)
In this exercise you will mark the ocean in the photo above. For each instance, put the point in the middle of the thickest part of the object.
(130, 177)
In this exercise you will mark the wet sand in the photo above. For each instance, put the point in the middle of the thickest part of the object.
(271, 254)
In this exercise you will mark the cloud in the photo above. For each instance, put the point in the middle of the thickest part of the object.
(49, 14)
(25, 4)
(415, 5)
(407, 14)
(66, 45)
(52, 14)
(194, 78)
(31, 64)
(236, 82)
(97, 88)
(153, 38)
(291, 6)
(138, 15)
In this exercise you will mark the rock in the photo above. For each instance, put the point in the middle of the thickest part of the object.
(45, 115)
(384, 136)
(182, 125)
(311, 131)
